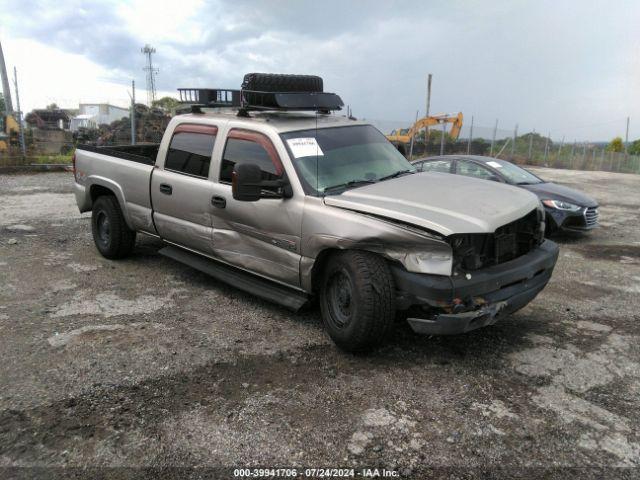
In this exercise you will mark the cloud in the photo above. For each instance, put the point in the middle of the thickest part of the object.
(554, 66)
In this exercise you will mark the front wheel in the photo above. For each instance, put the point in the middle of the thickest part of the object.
(357, 300)
(113, 238)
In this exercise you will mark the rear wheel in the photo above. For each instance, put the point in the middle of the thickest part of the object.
(357, 300)
(113, 238)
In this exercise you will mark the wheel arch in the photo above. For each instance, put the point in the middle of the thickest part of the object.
(99, 186)
(312, 277)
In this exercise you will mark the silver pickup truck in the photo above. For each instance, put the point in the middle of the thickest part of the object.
(296, 206)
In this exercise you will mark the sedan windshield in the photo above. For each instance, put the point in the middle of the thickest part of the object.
(331, 160)
(513, 173)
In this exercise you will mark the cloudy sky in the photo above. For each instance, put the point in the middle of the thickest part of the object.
(571, 68)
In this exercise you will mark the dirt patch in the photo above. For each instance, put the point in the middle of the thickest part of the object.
(156, 364)
(607, 251)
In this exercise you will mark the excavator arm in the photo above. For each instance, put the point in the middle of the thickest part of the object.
(397, 137)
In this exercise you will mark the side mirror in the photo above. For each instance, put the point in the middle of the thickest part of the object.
(495, 178)
(247, 184)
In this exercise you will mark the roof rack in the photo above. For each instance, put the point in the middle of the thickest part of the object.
(210, 97)
(279, 92)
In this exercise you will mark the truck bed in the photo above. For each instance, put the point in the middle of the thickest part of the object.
(142, 153)
(125, 170)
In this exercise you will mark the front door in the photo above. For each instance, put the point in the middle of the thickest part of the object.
(181, 191)
(262, 236)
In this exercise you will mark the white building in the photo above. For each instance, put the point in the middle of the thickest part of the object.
(92, 115)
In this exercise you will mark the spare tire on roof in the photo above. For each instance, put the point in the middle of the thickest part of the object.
(277, 82)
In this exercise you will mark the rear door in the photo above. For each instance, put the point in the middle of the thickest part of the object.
(473, 169)
(262, 236)
(443, 165)
(181, 190)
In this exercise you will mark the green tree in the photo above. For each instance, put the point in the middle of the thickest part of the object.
(168, 104)
(634, 148)
(53, 106)
(616, 145)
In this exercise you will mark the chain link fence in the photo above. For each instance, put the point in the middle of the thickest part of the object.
(53, 141)
(526, 148)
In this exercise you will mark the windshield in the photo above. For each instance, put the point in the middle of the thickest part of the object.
(513, 173)
(334, 159)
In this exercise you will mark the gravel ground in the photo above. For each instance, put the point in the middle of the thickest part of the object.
(148, 363)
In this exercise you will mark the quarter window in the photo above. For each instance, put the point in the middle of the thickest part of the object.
(190, 153)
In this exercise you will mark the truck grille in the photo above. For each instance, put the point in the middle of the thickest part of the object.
(478, 250)
(591, 216)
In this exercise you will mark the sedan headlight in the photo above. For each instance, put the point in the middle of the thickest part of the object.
(560, 205)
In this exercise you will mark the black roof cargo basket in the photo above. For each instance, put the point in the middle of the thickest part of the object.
(267, 91)
(210, 97)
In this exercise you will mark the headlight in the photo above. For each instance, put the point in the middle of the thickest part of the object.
(560, 205)
(438, 260)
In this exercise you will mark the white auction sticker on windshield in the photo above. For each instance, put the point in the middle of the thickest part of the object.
(494, 164)
(304, 147)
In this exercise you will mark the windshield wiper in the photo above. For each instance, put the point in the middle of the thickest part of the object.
(397, 174)
(349, 184)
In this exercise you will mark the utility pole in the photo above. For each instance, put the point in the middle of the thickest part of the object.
(426, 128)
(19, 113)
(470, 137)
(513, 145)
(148, 51)
(444, 132)
(626, 141)
(6, 93)
(132, 115)
(493, 139)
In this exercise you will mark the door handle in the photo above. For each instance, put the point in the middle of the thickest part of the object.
(219, 202)
(166, 189)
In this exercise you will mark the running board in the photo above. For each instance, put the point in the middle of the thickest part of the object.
(258, 286)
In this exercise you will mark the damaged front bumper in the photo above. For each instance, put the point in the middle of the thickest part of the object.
(486, 295)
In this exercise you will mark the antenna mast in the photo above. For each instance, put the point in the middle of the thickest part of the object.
(148, 50)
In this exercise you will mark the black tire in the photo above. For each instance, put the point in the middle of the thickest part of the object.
(272, 82)
(113, 238)
(357, 300)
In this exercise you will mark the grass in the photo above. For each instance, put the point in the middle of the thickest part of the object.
(40, 159)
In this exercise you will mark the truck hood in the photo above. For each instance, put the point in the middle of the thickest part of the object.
(440, 202)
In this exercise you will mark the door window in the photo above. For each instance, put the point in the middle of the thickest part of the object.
(443, 166)
(190, 150)
(250, 147)
(472, 169)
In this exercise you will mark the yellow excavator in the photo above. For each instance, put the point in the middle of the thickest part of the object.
(9, 131)
(401, 137)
